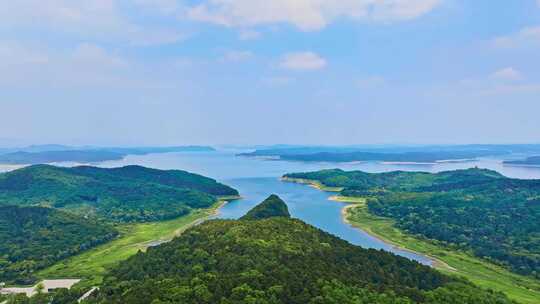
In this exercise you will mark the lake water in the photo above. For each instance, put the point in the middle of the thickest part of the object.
(256, 179)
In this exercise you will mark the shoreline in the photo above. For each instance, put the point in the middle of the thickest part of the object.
(312, 183)
(435, 262)
(354, 202)
(212, 212)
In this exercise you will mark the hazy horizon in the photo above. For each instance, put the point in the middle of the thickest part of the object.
(201, 72)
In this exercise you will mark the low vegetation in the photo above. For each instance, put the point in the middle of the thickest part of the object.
(92, 264)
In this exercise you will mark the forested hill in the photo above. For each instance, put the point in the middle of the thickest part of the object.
(270, 207)
(498, 218)
(278, 260)
(126, 194)
(32, 238)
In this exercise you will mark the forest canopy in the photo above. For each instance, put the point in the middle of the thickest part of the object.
(126, 194)
(496, 217)
(278, 260)
(32, 238)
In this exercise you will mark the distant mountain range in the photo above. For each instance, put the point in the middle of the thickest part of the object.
(40, 154)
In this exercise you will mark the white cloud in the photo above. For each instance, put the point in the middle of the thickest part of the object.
(307, 15)
(16, 54)
(98, 20)
(249, 35)
(507, 74)
(167, 7)
(91, 55)
(529, 36)
(85, 65)
(237, 56)
(302, 61)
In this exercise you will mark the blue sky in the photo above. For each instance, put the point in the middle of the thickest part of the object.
(161, 72)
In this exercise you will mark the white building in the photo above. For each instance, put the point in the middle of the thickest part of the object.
(48, 285)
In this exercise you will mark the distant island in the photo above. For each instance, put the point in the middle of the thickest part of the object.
(310, 155)
(47, 154)
(530, 161)
(268, 257)
(32, 158)
(48, 213)
(480, 210)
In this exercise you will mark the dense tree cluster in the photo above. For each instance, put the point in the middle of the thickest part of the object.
(278, 260)
(49, 213)
(495, 217)
(270, 207)
(126, 194)
(32, 238)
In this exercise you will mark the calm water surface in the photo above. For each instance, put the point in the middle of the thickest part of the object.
(256, 179)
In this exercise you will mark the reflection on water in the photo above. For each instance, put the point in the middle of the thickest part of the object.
(256, 179)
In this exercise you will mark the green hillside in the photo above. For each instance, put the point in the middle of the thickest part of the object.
(495, 217)
(271, 207)
(32, 238)
(127, 194)
(278, 260)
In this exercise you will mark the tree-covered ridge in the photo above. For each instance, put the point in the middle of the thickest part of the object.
(32, 238)
(126, 194)
(270, 207)
(479, 210)
(278, 260)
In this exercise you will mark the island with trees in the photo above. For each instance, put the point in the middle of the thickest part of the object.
(46, 154)
(415, 154)
(529, 161)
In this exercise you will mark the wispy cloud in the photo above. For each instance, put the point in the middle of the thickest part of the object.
(509, 73)
(237, 56)
(307, 15)
(97, 20)
(302, 61)
(249, 35)
(528, 36)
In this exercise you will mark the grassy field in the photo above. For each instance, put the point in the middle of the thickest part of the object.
(92, 264)
(485, 274)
